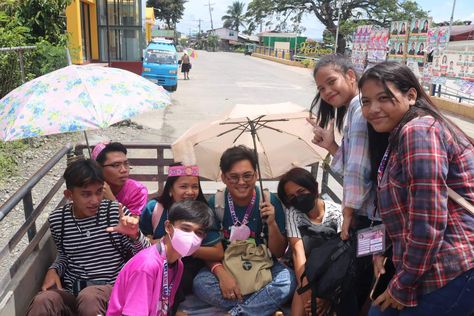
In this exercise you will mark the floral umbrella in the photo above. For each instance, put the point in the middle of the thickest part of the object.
(77, 98)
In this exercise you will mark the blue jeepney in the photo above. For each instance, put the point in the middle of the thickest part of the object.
(160, 63)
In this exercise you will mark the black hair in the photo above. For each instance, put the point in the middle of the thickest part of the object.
(326, 112)
(378, 143)
(196, 212)
(235, 154)
(403, 79)
(110, 147)
(166, 200)
(299, 176)
(82, 172)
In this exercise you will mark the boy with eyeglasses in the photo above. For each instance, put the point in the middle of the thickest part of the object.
(243, 218)
(118, 186)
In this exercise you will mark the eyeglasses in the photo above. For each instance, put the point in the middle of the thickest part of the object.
(246, 177)
(118, 165)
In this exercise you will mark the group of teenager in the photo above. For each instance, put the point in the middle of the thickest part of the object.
(121, 255)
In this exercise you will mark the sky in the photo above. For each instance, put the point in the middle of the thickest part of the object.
(440, 10)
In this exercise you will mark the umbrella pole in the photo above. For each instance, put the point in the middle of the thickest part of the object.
(253, 132)
(87, 143)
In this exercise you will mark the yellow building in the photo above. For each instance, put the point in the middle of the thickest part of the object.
(87, 28)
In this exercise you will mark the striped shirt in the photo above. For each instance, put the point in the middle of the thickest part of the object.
(353, 163)
(294, 218)
(85, 249)
(432, 236)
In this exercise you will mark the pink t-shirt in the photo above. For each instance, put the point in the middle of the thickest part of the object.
(138, 287)
(134, 196)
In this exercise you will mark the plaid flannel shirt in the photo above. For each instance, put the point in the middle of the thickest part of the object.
(353, 163)
(432, 236)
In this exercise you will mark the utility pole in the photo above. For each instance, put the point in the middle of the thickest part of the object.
(209, 4)
(338, 6)
(452, 18)
(199, 26)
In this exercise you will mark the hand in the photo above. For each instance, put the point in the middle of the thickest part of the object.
(51, 280)
(322, 306)
(378, 261)
(108, 194)
(346, 223)
(385, 300)
(229, 287)
(267, 212)
(307, 308)
(128, 225)
(324, 137)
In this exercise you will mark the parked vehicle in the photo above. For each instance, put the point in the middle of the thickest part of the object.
(160, 63)
(249, 49)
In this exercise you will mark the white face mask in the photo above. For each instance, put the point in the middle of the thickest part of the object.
(185, 243)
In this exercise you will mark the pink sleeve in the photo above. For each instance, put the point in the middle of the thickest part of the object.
(139, 299)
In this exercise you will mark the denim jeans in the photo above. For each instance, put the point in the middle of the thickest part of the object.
(454, 299)
(263, 302)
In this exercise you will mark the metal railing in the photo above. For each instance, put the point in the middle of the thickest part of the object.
(31, 213)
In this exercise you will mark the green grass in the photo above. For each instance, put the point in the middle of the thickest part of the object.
(9, 151)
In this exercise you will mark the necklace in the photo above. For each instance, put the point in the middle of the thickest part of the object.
(88, 233)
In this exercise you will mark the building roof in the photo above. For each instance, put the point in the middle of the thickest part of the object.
(251, 38)
(462, 33)
(276, 34)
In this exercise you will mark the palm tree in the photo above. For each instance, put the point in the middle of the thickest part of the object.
(235, 16)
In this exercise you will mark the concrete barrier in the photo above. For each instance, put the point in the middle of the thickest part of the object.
(278, 60)
(463, 109)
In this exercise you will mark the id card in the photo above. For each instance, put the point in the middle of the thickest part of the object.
(371, 240)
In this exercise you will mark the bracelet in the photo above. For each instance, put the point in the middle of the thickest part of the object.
(214, 267)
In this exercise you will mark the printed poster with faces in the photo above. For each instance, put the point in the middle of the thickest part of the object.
(361, 39)
(397, 50)
(377, 46)
(454, 64)
(438, 39)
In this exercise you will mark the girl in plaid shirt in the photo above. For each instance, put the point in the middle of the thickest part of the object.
(432, 236)
(338, 104)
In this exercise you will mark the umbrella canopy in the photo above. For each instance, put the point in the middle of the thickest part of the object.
(282, 139)
(191, 52)
(76, 98)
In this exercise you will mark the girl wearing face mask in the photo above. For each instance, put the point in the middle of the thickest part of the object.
(298, 191)
(182, 184)
(147, 284)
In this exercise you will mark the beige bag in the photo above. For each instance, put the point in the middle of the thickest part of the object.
(249, 264)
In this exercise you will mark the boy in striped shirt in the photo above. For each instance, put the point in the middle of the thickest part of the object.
(93, 238)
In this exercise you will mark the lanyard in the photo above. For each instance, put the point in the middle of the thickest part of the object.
(245, 220)
(166, 287)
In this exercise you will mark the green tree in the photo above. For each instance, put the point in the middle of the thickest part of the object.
(169, 11)
(235, 16)
(212, 42)
(353, 12)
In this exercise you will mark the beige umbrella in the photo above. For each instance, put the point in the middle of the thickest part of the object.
(279, 134)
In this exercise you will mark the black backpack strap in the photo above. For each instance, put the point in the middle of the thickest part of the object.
(303, 289)
(112, 240)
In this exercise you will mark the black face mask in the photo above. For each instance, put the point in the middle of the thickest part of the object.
(303, 202)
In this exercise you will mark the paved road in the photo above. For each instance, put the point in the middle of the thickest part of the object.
(221, 80)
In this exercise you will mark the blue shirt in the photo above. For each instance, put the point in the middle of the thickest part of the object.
(255, 221)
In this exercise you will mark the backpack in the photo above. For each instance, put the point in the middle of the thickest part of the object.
(329, 263)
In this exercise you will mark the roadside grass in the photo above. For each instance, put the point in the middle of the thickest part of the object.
(9, 151)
